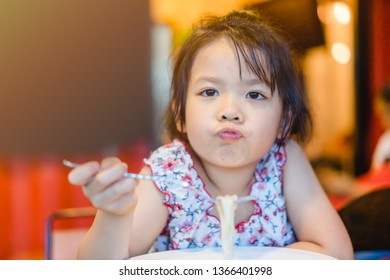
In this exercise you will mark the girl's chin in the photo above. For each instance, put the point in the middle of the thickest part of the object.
(226, 155)
(228, 159)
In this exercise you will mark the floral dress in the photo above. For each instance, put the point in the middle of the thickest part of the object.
(190, 223)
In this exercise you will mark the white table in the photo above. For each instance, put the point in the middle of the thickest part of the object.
(240, 253)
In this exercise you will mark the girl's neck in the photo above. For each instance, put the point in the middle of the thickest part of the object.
(225, 181)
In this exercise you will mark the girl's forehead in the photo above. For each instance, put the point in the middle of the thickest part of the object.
(223, 52)
(216, 44)
(215, 58)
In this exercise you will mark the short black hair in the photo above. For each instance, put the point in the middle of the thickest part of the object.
(265, 51)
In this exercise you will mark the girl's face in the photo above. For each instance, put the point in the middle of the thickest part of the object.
(231, 121)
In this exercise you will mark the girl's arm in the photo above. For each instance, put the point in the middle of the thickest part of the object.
(129, 211)
(150, 217)
(316, 223)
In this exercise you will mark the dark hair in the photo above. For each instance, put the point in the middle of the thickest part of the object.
(265, 52)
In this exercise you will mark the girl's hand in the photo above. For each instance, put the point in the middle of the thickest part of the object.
(104, 185)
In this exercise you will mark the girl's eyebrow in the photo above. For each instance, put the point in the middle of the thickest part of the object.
(216, 80)
(254, 81)
(207, 78)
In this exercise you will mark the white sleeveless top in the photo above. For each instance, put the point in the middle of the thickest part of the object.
(190, 224)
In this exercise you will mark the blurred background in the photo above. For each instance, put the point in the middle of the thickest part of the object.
(87, 79)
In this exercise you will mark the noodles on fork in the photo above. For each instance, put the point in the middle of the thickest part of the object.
(226, 208)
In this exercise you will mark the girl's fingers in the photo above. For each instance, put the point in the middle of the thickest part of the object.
(122, 205)
(109, 162)
(109, 175)
(83, 173)
(116, 196)
(105, 185)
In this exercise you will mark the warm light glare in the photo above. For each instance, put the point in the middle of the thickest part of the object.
(341, 53)
(341, 12)
(322, 13)
(181, 14)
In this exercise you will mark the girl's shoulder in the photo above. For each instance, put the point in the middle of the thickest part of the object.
(294, 150)
(170, 157)
(176, 148)
(298, 165)
(296, 157)
(282, 155)
(275, 157)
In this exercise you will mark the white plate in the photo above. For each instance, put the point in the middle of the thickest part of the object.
(240, 253)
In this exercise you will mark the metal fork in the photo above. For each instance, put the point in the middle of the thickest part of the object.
(137, 176)
(161, 178)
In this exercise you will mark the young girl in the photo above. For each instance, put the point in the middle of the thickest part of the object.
(235, 106)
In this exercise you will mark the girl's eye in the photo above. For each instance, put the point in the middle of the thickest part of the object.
(255, 95)
(209, 92)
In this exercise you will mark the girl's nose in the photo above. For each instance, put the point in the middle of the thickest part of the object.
(230, 112)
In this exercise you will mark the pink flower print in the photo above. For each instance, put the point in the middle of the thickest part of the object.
(284, 229)
(263, 174)
(279, 156)
(258, 211)
(253, 240)
(167, 193)
(174, 245)
(177, 206)
(266, 218)
(261, 230)
(187, 226)
(187, 178)
(207, 238)
(240, 227)
(169, 164)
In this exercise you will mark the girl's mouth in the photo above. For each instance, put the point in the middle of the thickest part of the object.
(229, 134)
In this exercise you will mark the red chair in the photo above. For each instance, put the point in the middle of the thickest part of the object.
(61, 243)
